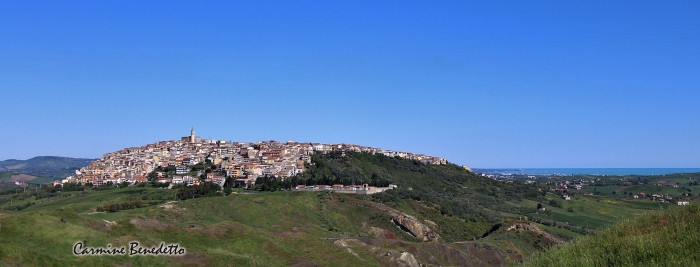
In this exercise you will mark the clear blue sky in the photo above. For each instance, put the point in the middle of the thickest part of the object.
(494, 84)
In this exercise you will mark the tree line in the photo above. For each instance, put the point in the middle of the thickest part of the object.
(201, 190)
(126, 205)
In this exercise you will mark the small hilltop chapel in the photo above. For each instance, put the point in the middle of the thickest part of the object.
(190, 138)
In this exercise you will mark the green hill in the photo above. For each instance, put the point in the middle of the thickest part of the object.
(45, 166)
(257, 229)
(440, 215)
(5, 176)
(466, 205)
(659, 238)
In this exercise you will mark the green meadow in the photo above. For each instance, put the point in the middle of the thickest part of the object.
(275, 229)
(625, 186)
(5, 176)
(658, 238)
(596, 212)
(243, 229)
(470, 213)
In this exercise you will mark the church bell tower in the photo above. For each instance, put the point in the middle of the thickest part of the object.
(192, 135)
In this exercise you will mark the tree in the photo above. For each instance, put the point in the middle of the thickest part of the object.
(152, 175)
(206, 189)
(555, 203)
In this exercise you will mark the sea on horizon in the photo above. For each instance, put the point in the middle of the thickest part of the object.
(591, 171)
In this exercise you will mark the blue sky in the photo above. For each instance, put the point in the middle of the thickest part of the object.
(490, 84)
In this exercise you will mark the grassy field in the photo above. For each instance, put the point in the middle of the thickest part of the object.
(286, 228)
(258, 229)
(5, 176)
(645, 203)
(42, 180)
(88, 202)
(555, 230)
(245, 230)
(659, 238)
(595, 212)
(660, 184)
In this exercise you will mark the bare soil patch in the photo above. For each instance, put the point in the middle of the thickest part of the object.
(168, 206)
(190, 259)
(145, 224)
(18, 166)
(664, 182)
(299, 262)
(21, 178)
(97, 225)
(287, 235)
(219, 231)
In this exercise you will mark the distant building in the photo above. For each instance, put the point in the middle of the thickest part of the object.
(190, 138)
(181, 169)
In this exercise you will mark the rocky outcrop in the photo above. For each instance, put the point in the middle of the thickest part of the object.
(413, 226)
(533, 228)
(407, 223)
(379, 232)
(407, 259)
(401, 259)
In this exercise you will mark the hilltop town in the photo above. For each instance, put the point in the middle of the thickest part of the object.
(173, 162)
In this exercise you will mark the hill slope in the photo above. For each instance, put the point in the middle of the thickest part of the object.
(440, 215)
(258, 229)
(660, 238)
(462, 204)
(45, 166)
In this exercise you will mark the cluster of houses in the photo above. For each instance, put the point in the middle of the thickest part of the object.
(245, 161)
(564, 186)
(662, 198)
(353, 189)
(653, 197)
(190, 180)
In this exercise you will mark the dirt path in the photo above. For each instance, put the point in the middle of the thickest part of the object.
(95, 212)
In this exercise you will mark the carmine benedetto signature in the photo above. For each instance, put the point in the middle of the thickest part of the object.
(134, 249)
